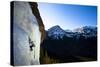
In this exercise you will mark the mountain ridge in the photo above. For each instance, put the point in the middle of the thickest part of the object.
(56, 32)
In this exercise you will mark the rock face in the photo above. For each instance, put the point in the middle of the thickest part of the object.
(36, 12)
(27, 32)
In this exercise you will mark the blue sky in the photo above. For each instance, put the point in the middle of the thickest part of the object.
(67, 16)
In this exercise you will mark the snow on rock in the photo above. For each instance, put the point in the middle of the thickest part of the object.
(25, 26)
(56, 32)
(87, 31)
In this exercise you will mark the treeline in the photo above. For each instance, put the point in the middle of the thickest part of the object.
(68, 49)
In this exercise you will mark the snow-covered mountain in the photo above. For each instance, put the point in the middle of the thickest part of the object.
(87, 31)
(57, 32)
